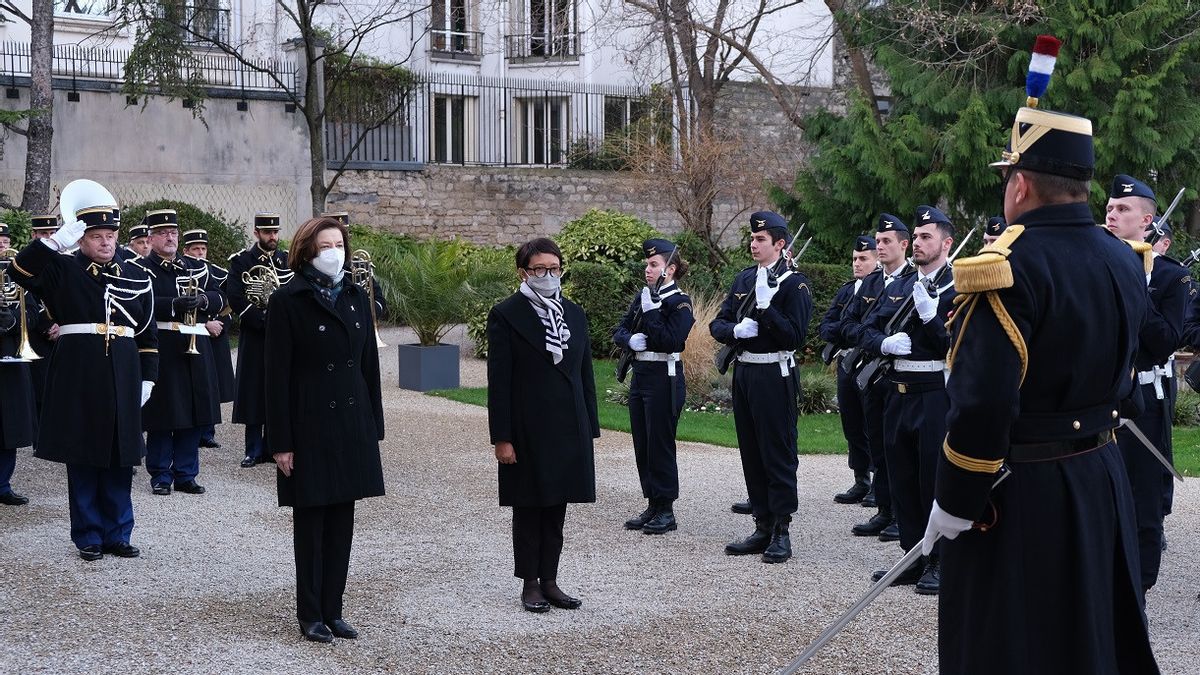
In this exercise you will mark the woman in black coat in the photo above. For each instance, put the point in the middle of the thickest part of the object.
(324, 417)
(542, 417)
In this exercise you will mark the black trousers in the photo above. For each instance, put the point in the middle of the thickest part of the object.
(1146, 478)
(653, 419)
(537, 541)
(914, 427)
(854, 422)
(322, 536)
(874, 400)
(764, 416)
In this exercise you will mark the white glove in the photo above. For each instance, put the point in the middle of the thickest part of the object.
(926, 305)
(648, 304)
(147, 387)
(66, 236)
(942, 524)
(762, 290)
(637, 342)
(897, 345)
(746, 328)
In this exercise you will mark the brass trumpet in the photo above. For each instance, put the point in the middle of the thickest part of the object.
(12, 294)
(362, 273)
(191, 289)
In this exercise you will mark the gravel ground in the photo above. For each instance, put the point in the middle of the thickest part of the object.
(430, 581)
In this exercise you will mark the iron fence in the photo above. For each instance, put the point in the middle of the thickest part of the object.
(456, 44)
(479, 121)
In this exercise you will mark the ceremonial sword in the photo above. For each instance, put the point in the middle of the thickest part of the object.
(1133, 428)
(879, 587)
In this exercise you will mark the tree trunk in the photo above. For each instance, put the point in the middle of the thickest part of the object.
(39, 139)
(858, 60)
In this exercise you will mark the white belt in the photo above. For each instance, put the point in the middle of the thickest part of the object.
(96, 329)
(669, 359)
(785, 359)
(185, 328)
(1155, 376)
(906, 366)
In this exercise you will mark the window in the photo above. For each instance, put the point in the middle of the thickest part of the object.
(546, 30)
(453, 129)
(543, 130)
(98, 9)
(449, 29)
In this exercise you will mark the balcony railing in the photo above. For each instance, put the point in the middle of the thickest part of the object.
(543, 47)
(456, 44)
(198, 24)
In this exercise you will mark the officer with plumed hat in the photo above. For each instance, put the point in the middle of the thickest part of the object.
(1042, 348)
(656, 328)
(765, 319)
(195, 246)
(864, 260)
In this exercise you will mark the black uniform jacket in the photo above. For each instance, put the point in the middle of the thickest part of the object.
(17, 408)
(666, 328)
(782, 326)
(830, 329)
(930, 340)
(547, 411)
(323, 398)
(1171, 290)
(248, 402)
(222, 352)
(91, 397)
(187, 394)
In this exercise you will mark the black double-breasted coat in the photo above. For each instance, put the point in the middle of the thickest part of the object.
(323, 399)
(222, 352)
(248, 401)
(547, 411)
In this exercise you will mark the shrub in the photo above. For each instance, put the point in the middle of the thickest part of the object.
(429, 288)
(818, 392)
(604, 237)
(698, 366)
(494, 278)
(1187, 408)
(225, 237)
(20, 224)
(823, 282)
(604, 293)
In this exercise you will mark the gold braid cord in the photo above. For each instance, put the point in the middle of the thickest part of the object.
(969, 303)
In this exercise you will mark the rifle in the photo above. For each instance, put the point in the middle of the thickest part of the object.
(728, 353)
(625, 360)
(876, 368)
(852, 356)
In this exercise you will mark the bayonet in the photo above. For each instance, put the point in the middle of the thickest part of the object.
(1162, 459)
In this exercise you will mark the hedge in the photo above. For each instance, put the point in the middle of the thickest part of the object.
(225, 237)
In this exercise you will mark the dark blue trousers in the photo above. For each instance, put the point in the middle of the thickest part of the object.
(850, 405)
(173, 456)
(914, 429)
(653, 419)
(874, 400)
(764, 415)
(8, 464)
(1146, 479)
(101, 508)
(255, 447)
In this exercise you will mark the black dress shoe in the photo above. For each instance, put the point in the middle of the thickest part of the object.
(878, 523)
(122, 549)
(742, 508)
(561, 600)
(248, 462)
(315, 631)
(90, 553)
(855, 494)
(868, 501)
(780, 548)
(341, 629)
(191, 487)
(209, 443)
(908, 577)
(662, 522)
(161, 489)
(931, 579)
(13, 499)
(756, 543)
(890, 533)
(636, 522)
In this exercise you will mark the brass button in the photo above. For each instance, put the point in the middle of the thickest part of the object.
(321, 328)
(1076, 425)
(329, 367)
(333, 404)
(350, 363)
(357, 324)
(1115, 414)
(350, 400)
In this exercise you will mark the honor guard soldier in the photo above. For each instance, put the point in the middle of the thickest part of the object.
(104, 366)
(44, 331)
(17, 408)
(186, 398)
(777, 305)
(195, 245)
(266, 267)
(891, 242)
(139, 242)
(656, 328)
(1042, 346)
(994, 228)
(914, 416)
(1129, 212)
(864, 261)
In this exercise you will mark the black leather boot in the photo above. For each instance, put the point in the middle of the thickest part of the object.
(780, 548)
(891, 532)
(868, 501)
(755, 543)
(878, 523)
(743, 508)
(908, 577)
(636, 522)
(663, 520)
(857, 492)
(931, 579)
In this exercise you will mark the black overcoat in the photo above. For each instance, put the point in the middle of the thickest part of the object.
(17, 409)
(222, 352)
(92, 397)
(248, 402)
(323, 398)
(547, 411)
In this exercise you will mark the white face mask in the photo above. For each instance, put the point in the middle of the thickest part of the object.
(329, 262)
(546, 286)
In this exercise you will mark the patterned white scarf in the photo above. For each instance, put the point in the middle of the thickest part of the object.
(550, 311)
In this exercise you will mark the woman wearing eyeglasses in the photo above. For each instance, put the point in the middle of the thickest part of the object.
(542, 417)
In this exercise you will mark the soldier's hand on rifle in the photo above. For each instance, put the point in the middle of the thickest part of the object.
(147, 387)
(897, 345)
(944, 524)
(66, 236)
(648, 303)
(185, 303)
(763, 291)
(925, 304)
(746, 328)
(637, 342)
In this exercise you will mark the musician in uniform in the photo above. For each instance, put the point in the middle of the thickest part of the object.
(656, 327)
(914, 416)
(249, 401)
(17, 409)
(104, 366)
(994, 228)
(186, 398)
(195, 245)
(892, 239)
(765, 384)
(43, 330)
(1042, 349)
(864, 261)
(1130, 210)
(138, 245)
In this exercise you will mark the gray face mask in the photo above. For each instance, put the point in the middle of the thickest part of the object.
(547, 286)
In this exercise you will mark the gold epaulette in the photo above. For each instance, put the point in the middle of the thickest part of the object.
(1145, 250)
(989, 270)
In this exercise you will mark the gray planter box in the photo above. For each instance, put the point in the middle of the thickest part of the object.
(426, 368)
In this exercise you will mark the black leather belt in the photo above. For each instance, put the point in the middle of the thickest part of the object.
(1042, 452)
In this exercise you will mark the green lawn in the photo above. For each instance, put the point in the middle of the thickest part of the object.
(818, 434)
